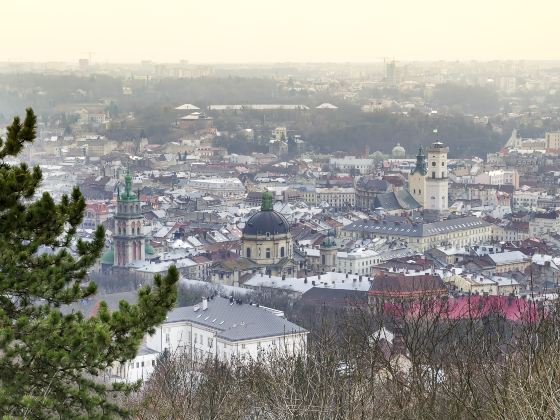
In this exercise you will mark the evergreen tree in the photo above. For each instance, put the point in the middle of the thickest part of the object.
(49, 359)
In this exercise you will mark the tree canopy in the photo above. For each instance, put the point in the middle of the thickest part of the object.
(50, 355)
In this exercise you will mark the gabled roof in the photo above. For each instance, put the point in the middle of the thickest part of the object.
(187, 107)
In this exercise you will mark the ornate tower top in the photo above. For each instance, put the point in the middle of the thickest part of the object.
(266, 204)
(128, 194)
(329, 241)
(421, 164)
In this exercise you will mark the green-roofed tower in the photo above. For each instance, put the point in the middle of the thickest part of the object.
(129, 240)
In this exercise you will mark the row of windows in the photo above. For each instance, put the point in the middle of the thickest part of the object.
(140, 364)
(268, 253)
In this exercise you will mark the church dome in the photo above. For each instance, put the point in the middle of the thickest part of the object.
(398, 151)
(266, 220)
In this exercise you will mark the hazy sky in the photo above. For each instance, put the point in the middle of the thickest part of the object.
(278, 30)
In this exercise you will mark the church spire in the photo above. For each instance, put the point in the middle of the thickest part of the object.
(421, 165)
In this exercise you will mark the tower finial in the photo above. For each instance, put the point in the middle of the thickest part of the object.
(266, 204)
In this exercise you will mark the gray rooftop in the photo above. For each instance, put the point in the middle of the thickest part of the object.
(235, 322)
(403, 227)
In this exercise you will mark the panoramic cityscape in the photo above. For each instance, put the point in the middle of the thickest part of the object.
(346, 225)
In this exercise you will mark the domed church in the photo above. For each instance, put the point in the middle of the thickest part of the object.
(266, 237)
(266, 247)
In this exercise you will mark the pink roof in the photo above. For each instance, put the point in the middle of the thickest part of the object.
(472, 307)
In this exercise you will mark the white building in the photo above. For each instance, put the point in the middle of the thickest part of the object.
(222, 187)
(436, 195)
(526, 200)
(139, 368)
(224, 329)
(498, 177)
(335, 197)
(348, 163)
(358, 261)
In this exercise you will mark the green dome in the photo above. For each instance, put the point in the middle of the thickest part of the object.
(148, 249)
(109, 257)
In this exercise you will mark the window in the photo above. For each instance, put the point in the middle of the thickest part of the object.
(167, 337)
(153, 362)
(282, 252)
(433, 174)
(419, 191)
(248, 252)
(267, 252)
(210, 342)
(242, 346)
(433, 164)
(137, 365)
(442, 163)
(142, 364)
(443, 174)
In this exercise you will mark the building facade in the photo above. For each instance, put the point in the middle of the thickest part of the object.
(421, 236)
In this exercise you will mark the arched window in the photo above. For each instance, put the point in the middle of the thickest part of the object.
(248, 252)
(282, 252)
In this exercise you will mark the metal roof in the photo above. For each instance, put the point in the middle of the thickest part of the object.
(404, 227)
(235, 322)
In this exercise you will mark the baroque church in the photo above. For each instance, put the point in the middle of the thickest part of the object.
(266, 247)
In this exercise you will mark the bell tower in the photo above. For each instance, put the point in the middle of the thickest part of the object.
(436, 197)
(128, 237)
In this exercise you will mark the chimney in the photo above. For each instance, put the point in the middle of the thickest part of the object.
(313, 282)
(283, 277)
(204, 303)
(305, 280)
(346, 275)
